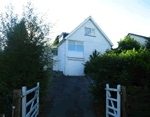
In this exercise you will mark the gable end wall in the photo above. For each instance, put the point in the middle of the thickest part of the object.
(97, 42)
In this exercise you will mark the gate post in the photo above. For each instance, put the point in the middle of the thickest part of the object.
(38, 84)
(123, 101)
(2, 115)
(107, 87)
(24, 89)
(17, 102)
(119, 100)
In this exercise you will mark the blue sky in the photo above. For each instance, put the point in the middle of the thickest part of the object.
(116, 18)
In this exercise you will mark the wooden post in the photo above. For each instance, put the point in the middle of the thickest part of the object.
(24, 100)
(2, 115)
(123, 102)
(17, 103)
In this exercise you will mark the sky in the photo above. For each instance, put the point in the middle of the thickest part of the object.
(116, 18)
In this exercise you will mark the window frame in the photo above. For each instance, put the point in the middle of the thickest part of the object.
(76, 43)
(91, 31)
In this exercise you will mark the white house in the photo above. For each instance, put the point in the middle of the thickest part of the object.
(140, 38)
(74, 48)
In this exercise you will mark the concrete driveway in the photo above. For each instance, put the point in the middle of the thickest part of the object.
(68, 97)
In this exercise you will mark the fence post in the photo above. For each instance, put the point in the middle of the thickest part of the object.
(38, 84)
(123, 102)
(2, 115)
(107, 87)
(17, 102)
(118, 101)
(24, 89)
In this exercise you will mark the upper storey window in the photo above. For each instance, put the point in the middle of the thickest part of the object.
(75, 46)
(89, 31)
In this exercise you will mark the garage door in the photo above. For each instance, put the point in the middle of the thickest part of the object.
(75, 68)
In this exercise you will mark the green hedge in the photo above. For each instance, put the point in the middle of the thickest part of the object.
(130, 67)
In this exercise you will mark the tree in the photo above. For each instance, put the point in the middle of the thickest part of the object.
(26, 53)
(128, 43)
(7, 20)
(147, 45)
(56, 40)
(94, 54)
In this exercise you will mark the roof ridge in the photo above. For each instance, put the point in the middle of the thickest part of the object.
(90, 18)
(137, 35)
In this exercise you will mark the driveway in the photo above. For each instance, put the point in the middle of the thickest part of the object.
(68, 97)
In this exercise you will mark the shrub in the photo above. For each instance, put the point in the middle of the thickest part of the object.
(129, 43)
(124, 68)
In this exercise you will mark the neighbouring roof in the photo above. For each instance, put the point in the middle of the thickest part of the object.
(66, 36)
(138, 35)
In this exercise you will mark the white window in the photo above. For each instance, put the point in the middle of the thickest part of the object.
(90, 31)
(79, 48)
(71, 46)
(75, 46)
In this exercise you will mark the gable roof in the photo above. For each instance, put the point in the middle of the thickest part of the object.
(90, 18)
(138, 35)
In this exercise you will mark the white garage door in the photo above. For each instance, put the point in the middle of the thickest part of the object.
(75, 68)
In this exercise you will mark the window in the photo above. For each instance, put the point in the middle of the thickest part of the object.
(71, 46)
(55, 51)
(79, 48)
(75, 46)
(89, 31)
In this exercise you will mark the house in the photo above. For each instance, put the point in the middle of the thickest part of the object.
(140, 38)
(74, 48)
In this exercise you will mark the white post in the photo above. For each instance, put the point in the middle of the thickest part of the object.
(118, 101)
(24, 89)
(107, 87)
(38, 84)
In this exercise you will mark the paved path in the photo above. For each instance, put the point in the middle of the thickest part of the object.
(68, 97)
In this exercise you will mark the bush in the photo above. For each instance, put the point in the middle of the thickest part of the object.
(129, 43)
(124, 68)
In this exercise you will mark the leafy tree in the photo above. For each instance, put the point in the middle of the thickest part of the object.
(56, 40)
(7, 20)
(108, 50)
(147, 45)
(94, 54)
(128, 43)
(25, 55)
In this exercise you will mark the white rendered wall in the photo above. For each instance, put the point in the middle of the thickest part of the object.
(61, 57)
(97, 42)
(90, 43)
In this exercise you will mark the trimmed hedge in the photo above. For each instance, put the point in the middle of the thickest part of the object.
(130, 67)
